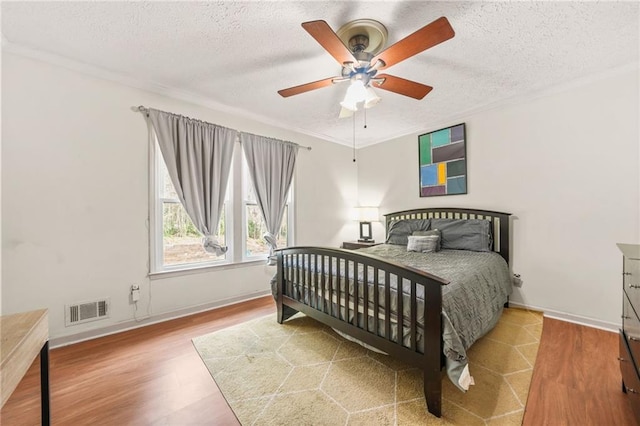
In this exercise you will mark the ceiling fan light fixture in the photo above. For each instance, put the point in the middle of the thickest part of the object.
(351, 106)
(344, 112)
(371, 99)
(356, 93)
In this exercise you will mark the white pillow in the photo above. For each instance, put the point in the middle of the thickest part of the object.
(435, 232)
(423, 243)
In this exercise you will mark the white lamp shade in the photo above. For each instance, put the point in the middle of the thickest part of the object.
(368, 214)
(349, 106)
(356, 93)
(345, 112)
(371, 99)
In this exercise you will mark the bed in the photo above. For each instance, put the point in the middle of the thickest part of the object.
(448, 298)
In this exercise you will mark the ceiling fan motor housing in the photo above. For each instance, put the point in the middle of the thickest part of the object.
(358, 43)
(362, 66)
(363, 35)
(364, 38)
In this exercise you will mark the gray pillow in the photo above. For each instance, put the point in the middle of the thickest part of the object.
(423, 243)
(399, 230)
(464, 234)
(432, 232)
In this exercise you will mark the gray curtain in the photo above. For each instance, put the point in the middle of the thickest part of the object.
(198, 158)
(271, 165)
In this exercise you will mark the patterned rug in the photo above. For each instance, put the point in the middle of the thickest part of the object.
(303, 373)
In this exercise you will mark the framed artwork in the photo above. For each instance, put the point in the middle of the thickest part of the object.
(443, 162)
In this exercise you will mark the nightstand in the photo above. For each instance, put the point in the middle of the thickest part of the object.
(355, 245)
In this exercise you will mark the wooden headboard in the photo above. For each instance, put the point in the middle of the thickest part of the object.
(499, 221)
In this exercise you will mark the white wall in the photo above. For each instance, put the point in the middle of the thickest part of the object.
(74, 190)
(566, 165)
(75, 197)
(0, 204)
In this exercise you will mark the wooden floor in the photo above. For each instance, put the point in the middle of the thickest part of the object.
(576, 379)
(153, 376)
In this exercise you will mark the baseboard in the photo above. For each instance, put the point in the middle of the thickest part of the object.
(154, 319)
(576, 319)
(167, 316)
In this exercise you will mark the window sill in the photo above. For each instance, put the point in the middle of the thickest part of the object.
(206, 268)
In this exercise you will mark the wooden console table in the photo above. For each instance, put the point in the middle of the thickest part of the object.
(22, 337)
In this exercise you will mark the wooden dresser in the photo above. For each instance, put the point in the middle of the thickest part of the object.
(630, 333)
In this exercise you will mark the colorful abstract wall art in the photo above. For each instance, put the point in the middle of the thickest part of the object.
(443, 162)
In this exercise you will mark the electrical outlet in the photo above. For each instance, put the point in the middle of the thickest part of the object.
(517, 280)
(135, 293)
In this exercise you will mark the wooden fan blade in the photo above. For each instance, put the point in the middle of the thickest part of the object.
(402, 86)
(328, 39)
(296, 90)
(428, 36)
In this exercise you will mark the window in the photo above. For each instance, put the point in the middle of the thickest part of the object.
(176, 244)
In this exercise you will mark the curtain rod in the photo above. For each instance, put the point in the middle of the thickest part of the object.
(144, 109)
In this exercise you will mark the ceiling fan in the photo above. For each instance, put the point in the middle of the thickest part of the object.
(362, 59)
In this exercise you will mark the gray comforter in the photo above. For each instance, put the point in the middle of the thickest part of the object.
(472, 303)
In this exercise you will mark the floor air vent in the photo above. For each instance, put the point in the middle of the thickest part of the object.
(88, 311)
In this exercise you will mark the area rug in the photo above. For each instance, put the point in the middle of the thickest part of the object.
(303, 373)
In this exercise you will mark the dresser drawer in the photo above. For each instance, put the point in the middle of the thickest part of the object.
(631, 327)
(627, 366)
(631, 281)
(630, 379)
(630, 321)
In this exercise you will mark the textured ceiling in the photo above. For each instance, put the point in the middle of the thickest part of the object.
(237, 55)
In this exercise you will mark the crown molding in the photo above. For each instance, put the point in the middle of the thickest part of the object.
(555, 89)
(151, 86)
(199, 100)
(519, 99)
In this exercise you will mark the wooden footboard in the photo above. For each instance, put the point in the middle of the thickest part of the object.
(356, 293)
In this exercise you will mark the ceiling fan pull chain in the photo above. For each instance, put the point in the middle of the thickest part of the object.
(354, 137)
(365, 118)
